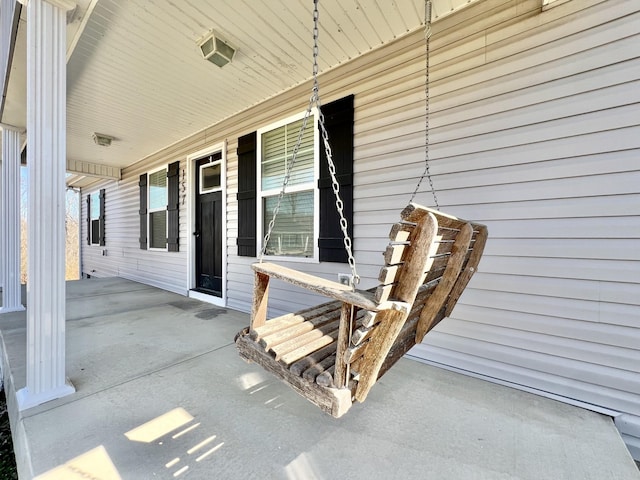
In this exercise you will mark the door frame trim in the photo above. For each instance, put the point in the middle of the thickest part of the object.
(191, 215)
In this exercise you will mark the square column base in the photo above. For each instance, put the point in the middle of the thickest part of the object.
(19, 308)
(28, 400)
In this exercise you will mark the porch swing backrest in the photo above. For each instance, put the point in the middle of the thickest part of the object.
(447, 264)
(430, 259)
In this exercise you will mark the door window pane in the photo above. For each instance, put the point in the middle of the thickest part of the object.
(209, 177)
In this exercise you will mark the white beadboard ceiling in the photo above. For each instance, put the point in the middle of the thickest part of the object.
(135, 71)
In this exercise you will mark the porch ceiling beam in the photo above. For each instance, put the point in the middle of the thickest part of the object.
(79, 167)
(80, 29)
(9, 18)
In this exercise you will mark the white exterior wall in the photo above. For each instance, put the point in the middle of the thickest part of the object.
(535, 132)
(122, 256)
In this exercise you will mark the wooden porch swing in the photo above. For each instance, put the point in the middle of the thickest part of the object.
(332, 354)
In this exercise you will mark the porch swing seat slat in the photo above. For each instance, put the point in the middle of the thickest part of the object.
(332, 359)
(360, 298)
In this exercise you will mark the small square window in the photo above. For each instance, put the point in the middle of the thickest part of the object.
(210, 175)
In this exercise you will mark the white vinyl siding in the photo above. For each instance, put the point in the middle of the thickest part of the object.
(122, 256)
(535, 132)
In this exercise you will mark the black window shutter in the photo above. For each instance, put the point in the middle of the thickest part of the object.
(143, 211)
(102, 229)
(88, 219)
(247, 195)
(173, 207)
(338, 120)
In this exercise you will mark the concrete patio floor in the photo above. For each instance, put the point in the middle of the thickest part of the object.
(162, 393)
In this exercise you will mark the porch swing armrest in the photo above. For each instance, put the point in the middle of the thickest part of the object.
(359, 298)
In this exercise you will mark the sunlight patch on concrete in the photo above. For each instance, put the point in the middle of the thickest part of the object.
(250, 379)
(302, 467)
(159, 426)
(186, 430)
(177, 420)
(202, 444)
(95, 464)
(209, 452)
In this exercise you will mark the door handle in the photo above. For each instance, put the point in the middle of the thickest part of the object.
(197, 234)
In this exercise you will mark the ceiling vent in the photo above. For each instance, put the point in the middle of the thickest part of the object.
(216, 50)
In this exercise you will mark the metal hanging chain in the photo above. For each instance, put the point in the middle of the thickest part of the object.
(315, 100)
(426, 173)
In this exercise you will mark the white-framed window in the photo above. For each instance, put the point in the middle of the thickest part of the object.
(157, 201)
(94, 216)
(296, 229)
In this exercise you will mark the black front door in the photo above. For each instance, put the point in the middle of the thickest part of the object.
(209, 224)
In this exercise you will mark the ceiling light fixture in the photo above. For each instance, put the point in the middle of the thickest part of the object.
(102, 139)
(216, 50)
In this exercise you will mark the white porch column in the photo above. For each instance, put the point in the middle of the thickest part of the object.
(10, 220)
(46, 160)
